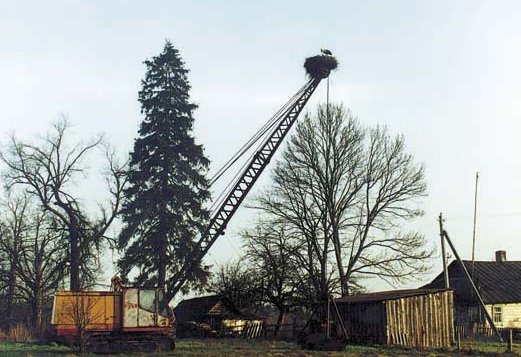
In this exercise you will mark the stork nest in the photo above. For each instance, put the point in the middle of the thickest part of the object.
(320, 66)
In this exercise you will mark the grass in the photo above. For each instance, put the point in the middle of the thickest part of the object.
(238, 347)
(18, 349)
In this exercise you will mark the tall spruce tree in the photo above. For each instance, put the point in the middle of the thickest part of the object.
(163, 211)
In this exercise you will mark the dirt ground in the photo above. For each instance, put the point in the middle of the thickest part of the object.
(238, 347)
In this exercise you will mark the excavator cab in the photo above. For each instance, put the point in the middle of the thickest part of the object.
(141, 308)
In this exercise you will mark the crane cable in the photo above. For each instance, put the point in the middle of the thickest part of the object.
(276, 118)
(255, 138)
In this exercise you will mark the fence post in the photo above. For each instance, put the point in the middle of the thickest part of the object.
(458, 341)
(510, 341)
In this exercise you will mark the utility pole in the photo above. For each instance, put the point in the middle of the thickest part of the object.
(474, 226)
(473, 286)
(443, 254)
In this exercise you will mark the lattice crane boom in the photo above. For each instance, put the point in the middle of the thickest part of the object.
(243, 184)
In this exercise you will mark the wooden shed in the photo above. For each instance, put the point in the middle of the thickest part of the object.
(421, 318)
(206, 309)
(213, 315)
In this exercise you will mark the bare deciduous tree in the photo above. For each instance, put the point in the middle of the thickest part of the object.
(42, 265)
(37, 258)
(238, 283)
(13, 228)
(80, 309)
(376, 243)
(346, 191)
(272, 257)
(47, 168)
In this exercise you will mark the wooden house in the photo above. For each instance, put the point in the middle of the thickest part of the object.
(421, 318)
(499, 283)
(215, 314)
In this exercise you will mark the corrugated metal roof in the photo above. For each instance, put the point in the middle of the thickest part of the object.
(498, 282)
(386, 295)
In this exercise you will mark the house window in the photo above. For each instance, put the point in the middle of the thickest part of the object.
(497, 313)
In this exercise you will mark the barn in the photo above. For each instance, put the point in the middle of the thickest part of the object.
(499, 283)
(421, 318)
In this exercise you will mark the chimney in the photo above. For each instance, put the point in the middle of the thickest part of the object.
(501, 256)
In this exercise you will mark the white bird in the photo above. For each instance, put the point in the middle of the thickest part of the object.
(326, 52)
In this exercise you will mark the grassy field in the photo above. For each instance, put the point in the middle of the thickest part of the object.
(207, 348)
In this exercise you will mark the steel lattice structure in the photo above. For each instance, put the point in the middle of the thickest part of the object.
(243, 185)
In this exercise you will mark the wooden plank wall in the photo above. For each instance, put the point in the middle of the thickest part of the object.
(365, 322)
(421, 321)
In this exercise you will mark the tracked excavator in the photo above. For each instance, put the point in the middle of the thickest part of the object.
(130, 318)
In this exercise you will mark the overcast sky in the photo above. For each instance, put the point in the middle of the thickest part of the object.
(446, 74)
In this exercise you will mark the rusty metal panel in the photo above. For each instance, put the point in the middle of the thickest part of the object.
(130, 307)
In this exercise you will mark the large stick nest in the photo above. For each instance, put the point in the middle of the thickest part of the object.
(320, 66)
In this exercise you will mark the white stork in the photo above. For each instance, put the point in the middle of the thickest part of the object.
(326, 52)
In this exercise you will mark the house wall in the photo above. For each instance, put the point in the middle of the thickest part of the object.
(237, 325)
(510, 315)
(217, 309)
(468, 317)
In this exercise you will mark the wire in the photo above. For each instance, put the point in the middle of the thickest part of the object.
(255, 138)
(251, 141)
(275, 119)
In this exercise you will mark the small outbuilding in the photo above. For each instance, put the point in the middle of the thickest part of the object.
(214, 315)
(421, 318)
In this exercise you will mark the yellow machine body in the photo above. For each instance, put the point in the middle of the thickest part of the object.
(126, 310)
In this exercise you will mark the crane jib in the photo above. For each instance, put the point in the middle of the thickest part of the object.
(242, 186)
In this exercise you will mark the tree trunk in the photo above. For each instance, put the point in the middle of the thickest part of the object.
(36, 314)
(37, 291)
(10, 296)
(163, 246)
(75, 259)
(280, 320)
(161, 276)
(83, 340)
(323, 288)
(338, 255)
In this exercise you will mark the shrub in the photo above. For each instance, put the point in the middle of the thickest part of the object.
(19, 333)
(3, 336)
(193, 329)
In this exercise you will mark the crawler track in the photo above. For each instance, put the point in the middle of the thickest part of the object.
(100, 342)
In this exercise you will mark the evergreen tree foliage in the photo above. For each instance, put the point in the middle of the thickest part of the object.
(163, 211)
